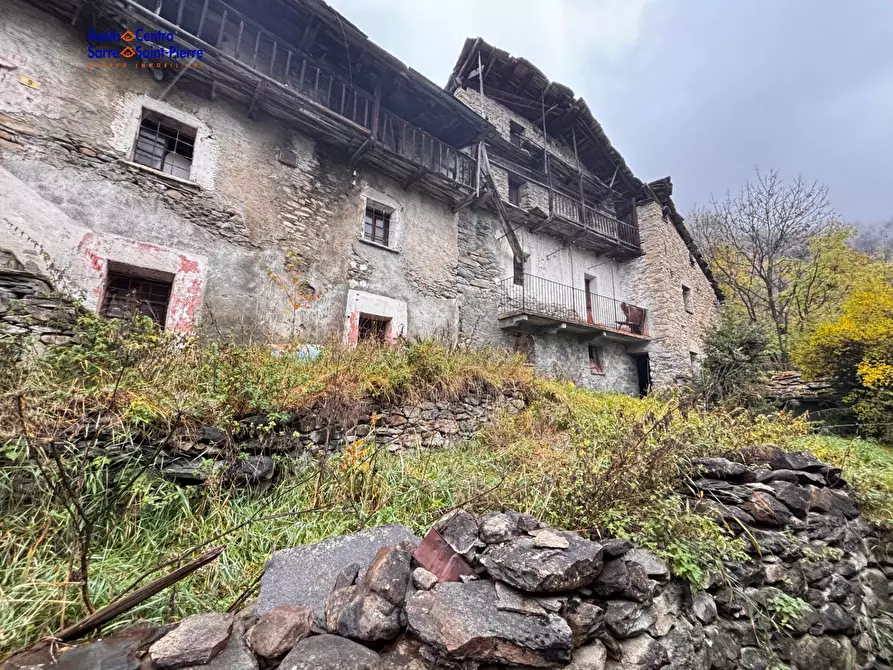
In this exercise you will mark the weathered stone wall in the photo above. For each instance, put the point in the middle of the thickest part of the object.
(68, 182)
(29, 307)
(504, 590)
(655, 281)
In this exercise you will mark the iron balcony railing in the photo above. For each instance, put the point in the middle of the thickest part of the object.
(235, 37)
(594, 220)
(559, 302)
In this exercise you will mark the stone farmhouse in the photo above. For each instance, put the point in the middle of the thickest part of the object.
(175, 152)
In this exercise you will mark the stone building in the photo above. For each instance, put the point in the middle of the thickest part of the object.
(176, 154)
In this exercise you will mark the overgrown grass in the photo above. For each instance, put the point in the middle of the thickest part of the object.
(600, 463)
(867, 466)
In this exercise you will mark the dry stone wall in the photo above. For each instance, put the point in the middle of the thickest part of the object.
(504, 590)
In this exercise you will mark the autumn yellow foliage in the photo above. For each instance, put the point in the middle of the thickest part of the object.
(856, 351)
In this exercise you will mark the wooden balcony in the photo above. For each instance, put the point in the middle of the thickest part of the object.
(252, 64)
(542, 305)
(586, 226)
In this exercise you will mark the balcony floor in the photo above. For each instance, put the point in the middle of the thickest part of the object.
(529, 321)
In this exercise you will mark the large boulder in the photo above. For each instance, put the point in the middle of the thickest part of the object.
(463, 622)
(196, 641)
(526, 566)
(306, 575)
(329, 652)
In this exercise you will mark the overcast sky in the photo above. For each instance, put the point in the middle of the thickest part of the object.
(702, 90)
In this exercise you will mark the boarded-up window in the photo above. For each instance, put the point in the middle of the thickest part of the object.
(595, 361)
(129, 290)
(165, 145)
(377, 225)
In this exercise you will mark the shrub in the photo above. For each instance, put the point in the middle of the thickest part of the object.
(736, 360)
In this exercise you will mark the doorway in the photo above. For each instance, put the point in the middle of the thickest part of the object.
(643, 369)
(589, 289)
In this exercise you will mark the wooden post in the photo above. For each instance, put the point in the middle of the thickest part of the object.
(376, 110)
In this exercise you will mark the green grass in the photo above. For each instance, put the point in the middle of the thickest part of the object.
(867, 467)
(600, 463)
(555, 460)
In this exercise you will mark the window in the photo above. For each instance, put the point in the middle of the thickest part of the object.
(516, 133)
(595, 361)
(165, 144)
(686, 298)
(515, 185)
(377, 226)
(129, 289)
(694, 360)
(372, 328)
(518, 272)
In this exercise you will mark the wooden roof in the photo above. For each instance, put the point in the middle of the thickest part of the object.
(522, 87)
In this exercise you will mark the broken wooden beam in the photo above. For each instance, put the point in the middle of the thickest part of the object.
(122, 605)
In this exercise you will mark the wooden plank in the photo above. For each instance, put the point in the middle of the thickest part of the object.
(122, 605)
(201, 22)
(362, 151)
(239, 38)
(273, 59)
(220, 33)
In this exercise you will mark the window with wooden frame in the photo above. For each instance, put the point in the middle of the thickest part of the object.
(372, 328)
(130, 289)
(515, 185)
(165, 145)
(377, 224)
(595, 361)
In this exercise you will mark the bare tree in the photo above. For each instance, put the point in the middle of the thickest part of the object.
(758, 243)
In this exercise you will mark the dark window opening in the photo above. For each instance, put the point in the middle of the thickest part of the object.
(126, 291)
(516, 133)
(595, 361)
(515, 191)
(165, 145)
(518, 272)
(694, 360)
(377, 225)
(686, 298)
(372, 328)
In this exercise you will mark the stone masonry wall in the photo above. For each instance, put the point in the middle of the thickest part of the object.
(655, 281)
(504, 590)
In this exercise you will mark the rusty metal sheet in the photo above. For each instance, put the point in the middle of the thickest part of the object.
(439, 558)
